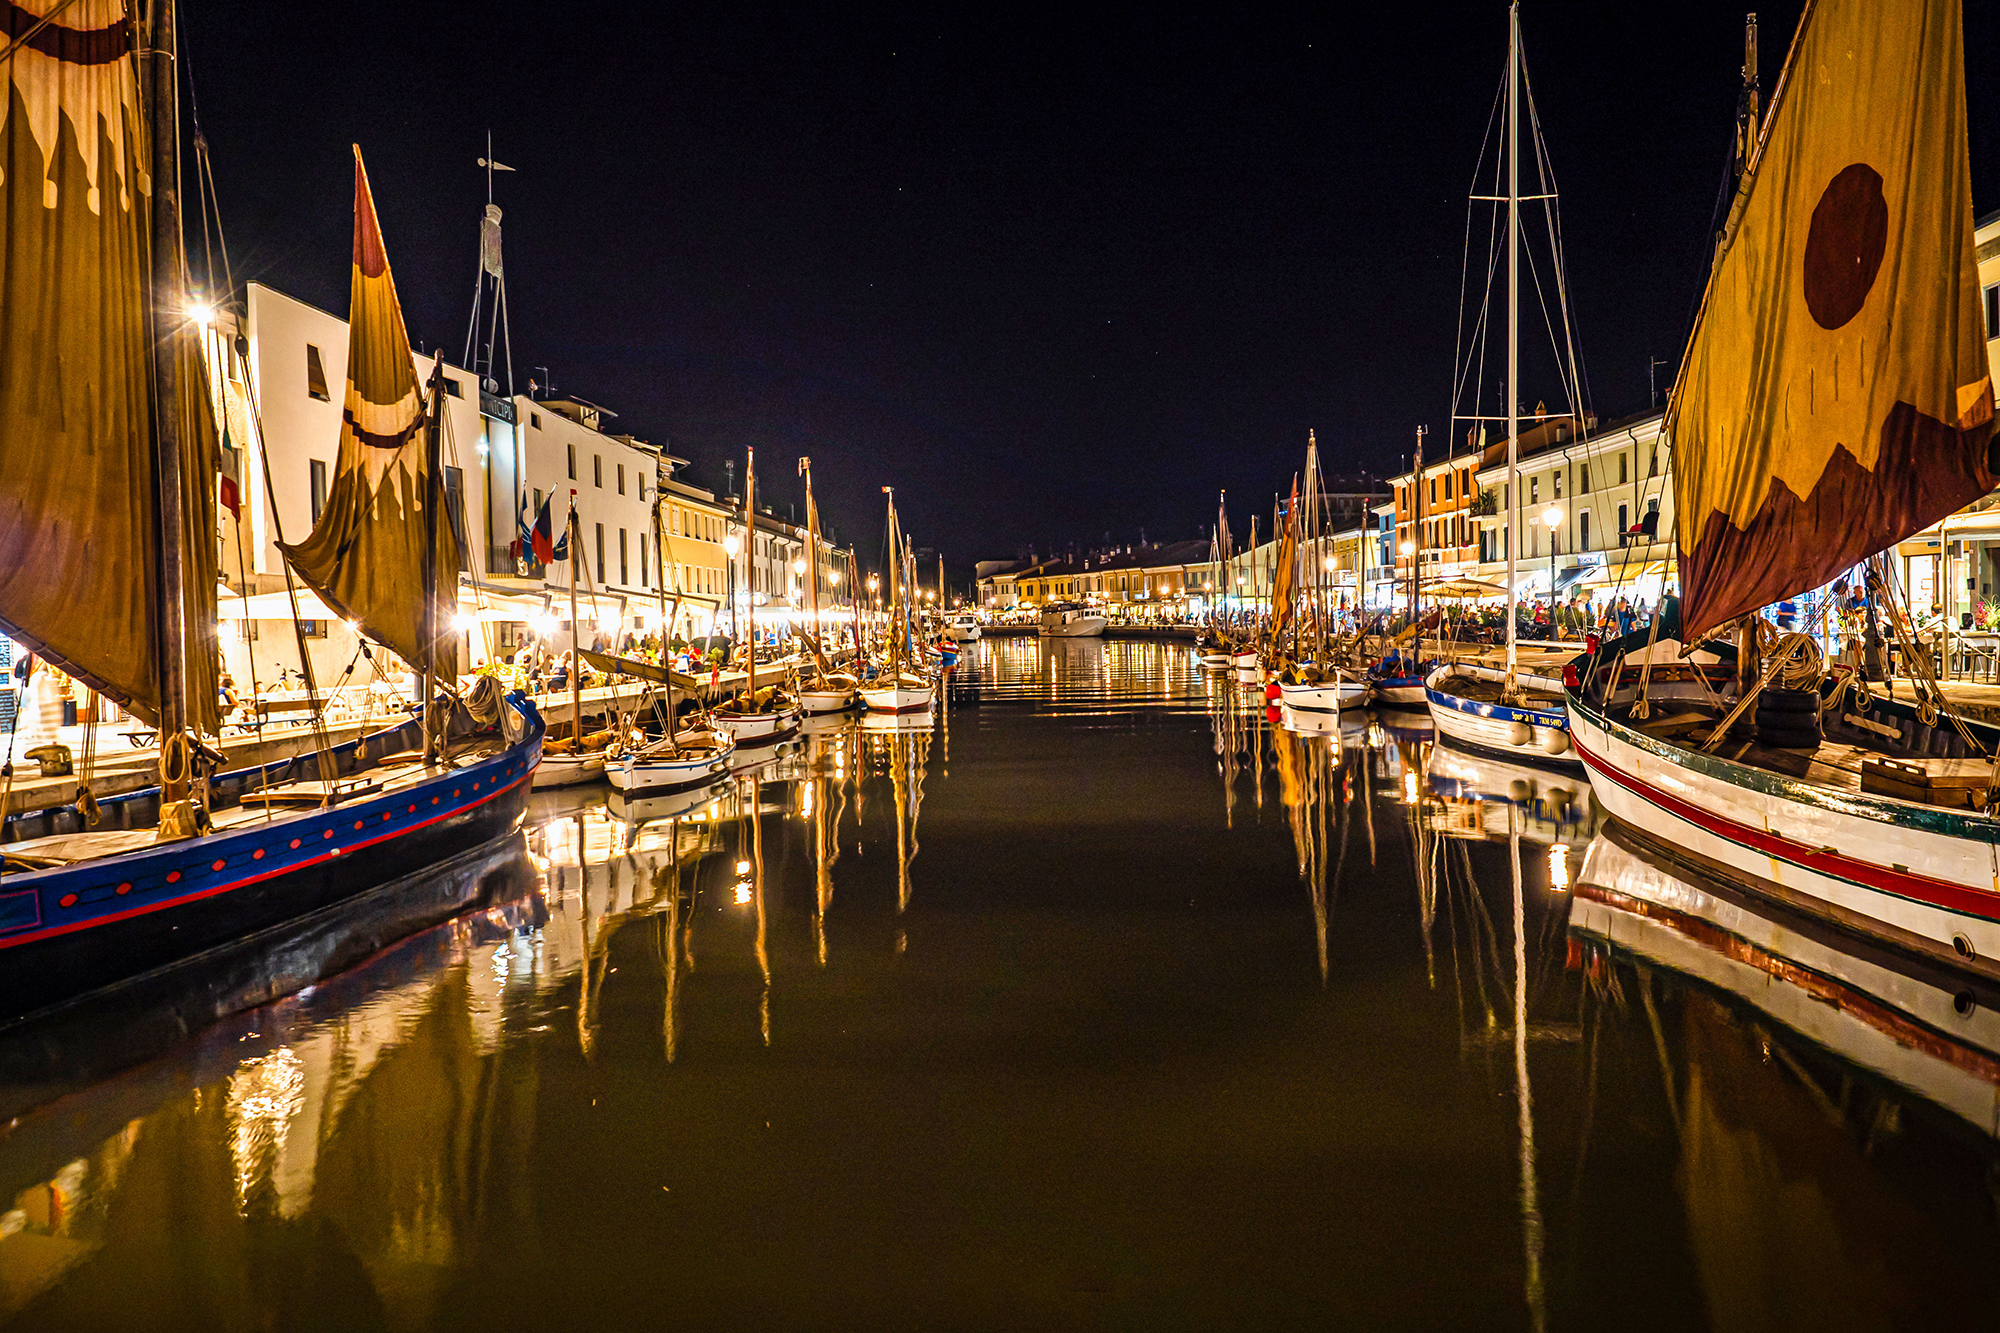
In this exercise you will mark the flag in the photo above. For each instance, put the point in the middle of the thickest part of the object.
(547, 551)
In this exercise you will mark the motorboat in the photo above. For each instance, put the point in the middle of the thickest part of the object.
(1070, 622)
(962, 628)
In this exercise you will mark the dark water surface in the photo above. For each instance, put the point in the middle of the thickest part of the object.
(1098, 1000)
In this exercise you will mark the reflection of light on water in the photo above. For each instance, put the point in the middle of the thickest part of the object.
(742, 894)
(264, 1095)
(1409, 787)
(1559, 866)
(742, 867)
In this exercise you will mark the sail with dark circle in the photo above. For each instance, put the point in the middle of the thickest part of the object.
(1836, 396)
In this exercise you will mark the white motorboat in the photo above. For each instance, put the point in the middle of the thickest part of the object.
(668, 765)
(962, 628)
(1070, 622)
(904, 694)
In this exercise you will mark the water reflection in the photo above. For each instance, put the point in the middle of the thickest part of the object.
(1056, 1037)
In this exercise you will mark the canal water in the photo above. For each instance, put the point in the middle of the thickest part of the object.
(1098, 999)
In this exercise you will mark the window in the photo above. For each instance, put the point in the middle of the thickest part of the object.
(318, 489)
(316, 375)
(1534, 490)
(624, 573)
(642, 562)
(535, 420)
(572, 462)
(1557, 478)
(454, 505)
(1583, 479)
(452, 386)
(1992, 295)
(597, 471)
(1583, 531)
(1622, 477)
(600, 550)
(1434, 490)
(621, 479)
(1624, 523)
(1654, 470)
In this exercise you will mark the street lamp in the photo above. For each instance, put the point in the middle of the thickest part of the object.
(1552, 517)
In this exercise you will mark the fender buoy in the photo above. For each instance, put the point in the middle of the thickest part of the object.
(1555, 741)
(1520, 733)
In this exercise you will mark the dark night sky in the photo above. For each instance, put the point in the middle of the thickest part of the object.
(1049, 275)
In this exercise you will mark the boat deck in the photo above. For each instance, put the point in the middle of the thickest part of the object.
(280, 799)
(1834, 764)
(1481, 690)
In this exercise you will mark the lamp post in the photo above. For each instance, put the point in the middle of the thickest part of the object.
(730, 547)
(1552, 517)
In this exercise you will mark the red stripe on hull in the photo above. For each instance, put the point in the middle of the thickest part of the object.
(1939, 893)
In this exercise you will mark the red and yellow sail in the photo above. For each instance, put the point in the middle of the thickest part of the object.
(366, 555)
(1836, 396)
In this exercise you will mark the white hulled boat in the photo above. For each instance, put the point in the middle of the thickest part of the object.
(1070, 622)
(1870, 814)
(671, 763)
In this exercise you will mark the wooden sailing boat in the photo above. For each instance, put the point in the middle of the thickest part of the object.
(1312, 681)
(109, 468)
(1512, 713)
(580, 756)
(1849, 246)
(826, 690)
(901, 688)
(770, 714)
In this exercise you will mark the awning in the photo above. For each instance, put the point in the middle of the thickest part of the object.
(1464, 587)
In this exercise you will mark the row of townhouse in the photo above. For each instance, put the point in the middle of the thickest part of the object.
(1166, 577)
(279, 401)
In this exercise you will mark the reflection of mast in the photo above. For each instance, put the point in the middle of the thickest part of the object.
(757, 892)
(1531, 1208)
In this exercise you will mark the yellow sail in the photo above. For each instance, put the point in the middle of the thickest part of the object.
(79, 522)
(1835, 396)
(365, 556)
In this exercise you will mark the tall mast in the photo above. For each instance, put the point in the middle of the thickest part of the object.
(1513, 317)
(432, 458)
(575, 632)
(812, 565)
(750, 536)
(169, 309)
(895, 587)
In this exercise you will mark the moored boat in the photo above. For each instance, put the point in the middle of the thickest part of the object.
(905, 693)
(1867, 813)
(1070, 622)
(1470, 706)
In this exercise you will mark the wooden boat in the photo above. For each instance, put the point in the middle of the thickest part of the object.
(1323, 696)
(899, 689)
(828, 694)
(105, 892)
(686, 759)
(1869, 814)
(1470, 705)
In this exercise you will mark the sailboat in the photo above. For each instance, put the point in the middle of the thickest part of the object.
(1507, 712)
(109, 473)
(1311, 681)
(581, 756)
(756, 716)
(901, 688)
(1835, 399)
(826, 690)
